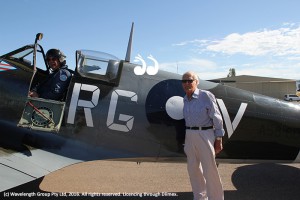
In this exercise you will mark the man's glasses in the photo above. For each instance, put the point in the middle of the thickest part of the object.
(187, 81)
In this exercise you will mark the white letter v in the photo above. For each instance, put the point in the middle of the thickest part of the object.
(231, 126)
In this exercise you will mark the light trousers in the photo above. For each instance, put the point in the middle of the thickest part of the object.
(201, 165)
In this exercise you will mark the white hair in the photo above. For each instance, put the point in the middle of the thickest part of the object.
(193, 74)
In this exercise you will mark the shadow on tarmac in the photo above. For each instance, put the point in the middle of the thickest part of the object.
(252, 182)
(265, 181)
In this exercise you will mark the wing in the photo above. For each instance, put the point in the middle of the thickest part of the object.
(19, 167)
(26, 155)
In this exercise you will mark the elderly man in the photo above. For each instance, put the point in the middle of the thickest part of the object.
(204, 131)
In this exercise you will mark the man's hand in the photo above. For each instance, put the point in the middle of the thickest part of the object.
(33, 94)
(218, 145)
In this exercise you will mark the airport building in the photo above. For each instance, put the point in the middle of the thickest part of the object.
(273, 87)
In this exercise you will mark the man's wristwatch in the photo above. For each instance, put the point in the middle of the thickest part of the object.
(218, 138)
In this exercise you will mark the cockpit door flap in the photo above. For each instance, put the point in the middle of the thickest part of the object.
(42, 114)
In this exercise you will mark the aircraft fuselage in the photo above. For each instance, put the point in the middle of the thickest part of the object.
(140, 114)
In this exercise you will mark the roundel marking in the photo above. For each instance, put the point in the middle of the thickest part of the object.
(174, 107)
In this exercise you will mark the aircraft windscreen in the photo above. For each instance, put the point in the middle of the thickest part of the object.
(26, 56)
(96, 64)
(22, 54)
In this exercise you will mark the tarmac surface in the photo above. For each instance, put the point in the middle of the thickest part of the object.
(129, 180)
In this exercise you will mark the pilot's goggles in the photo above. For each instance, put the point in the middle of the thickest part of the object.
(51, 59)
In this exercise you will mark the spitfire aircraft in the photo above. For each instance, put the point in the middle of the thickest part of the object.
(115, 109)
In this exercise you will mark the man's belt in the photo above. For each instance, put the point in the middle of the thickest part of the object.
(199, 128)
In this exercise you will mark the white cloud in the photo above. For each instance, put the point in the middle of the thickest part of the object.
(280, 42)
(266, 52)
(277, 42)
(196, 41)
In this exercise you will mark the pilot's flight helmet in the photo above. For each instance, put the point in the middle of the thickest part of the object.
(56, 53)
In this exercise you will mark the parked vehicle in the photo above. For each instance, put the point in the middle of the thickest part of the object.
(291, 97)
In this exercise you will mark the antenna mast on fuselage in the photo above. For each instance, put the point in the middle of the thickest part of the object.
(128, 53)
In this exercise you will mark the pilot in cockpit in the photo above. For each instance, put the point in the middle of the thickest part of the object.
(56, 84)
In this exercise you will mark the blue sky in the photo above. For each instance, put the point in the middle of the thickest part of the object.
(257, 37)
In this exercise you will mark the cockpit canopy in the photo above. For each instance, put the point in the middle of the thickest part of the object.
(97, 65)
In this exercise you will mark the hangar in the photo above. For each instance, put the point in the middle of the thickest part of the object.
(273, 87)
